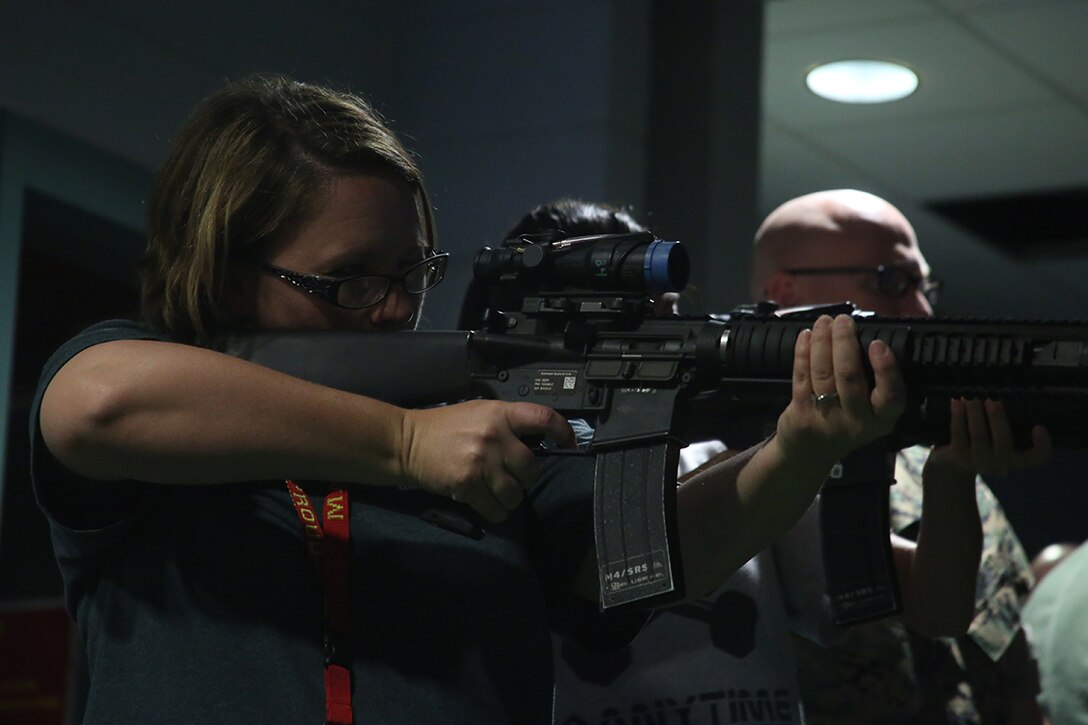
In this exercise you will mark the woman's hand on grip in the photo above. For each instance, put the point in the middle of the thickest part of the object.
(473, 452)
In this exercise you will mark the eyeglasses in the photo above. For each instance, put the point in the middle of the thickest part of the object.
(359, 291)
(891, 280)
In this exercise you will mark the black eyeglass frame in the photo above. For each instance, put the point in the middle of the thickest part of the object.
(892, 280)
(328, 288)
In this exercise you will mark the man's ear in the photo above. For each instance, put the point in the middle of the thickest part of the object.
(779, 288)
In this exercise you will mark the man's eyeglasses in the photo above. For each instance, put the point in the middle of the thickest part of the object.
(359, 291)
(891, 280)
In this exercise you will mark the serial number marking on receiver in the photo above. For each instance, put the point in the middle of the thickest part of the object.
(555, 382)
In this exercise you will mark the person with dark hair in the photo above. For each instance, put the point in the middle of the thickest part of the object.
(215, 578)
(575, 218)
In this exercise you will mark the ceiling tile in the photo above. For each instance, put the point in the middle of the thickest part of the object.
(972, 5)
(791, 166)
(973, 155)
(787, 17)
(1048, 38)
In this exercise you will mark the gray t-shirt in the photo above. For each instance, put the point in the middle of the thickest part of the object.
(198, 604)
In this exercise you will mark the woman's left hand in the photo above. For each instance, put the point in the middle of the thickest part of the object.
(833, 410)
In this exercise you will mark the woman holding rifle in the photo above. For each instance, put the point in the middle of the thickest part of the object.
(214, 581)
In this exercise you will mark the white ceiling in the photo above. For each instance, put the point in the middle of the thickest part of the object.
(1001, 108)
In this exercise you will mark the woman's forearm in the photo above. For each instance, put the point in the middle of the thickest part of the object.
(169, 413)
(730, 511)
(166, 413)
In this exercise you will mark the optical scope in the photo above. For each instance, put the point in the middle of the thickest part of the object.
(635, 263)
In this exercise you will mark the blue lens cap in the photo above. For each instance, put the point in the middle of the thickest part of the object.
(665, 267)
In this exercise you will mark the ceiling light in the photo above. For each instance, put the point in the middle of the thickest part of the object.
(862, 81)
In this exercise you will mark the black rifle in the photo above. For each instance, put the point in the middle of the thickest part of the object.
(569, 325)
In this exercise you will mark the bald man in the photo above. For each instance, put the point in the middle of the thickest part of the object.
(848, 245)
(841, 245)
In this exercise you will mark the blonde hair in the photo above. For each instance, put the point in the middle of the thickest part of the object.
(251, 162)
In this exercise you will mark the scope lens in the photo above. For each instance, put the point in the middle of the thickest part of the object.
(665, 267)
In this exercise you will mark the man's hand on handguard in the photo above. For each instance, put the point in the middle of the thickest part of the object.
(473, 452)
(981, 443)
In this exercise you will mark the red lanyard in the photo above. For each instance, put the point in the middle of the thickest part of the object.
(328, 549)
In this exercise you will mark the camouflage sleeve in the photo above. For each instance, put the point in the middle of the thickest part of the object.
(1004, 577)
(906, 494)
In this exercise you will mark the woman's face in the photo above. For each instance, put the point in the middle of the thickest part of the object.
(367, 224)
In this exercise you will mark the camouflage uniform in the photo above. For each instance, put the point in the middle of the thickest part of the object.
(881, 673)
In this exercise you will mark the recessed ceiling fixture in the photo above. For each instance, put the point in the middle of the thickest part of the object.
(862, 81)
